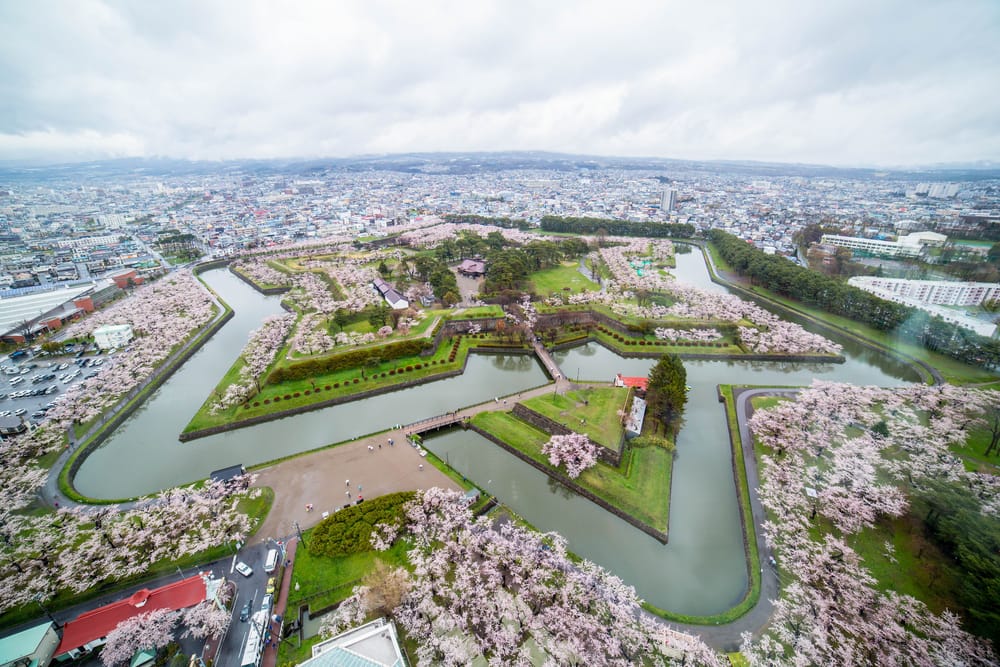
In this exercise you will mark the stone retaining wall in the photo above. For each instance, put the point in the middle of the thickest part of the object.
(658, 535)
(552, 427)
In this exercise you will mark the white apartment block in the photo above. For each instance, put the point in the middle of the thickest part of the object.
(939, 292)
(113, 220)
(112, 335)
(910, 245)
(89, 241)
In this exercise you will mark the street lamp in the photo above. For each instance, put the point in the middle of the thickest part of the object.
(38, 598)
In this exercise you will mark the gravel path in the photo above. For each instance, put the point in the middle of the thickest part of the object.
(319, 478)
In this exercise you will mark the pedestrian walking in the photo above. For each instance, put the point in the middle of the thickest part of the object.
(359, 488)
(421, 466)
(347, 482)
(380, 445)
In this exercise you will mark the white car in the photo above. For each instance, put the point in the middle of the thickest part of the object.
(244, 569)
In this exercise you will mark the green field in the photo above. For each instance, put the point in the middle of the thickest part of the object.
(591, 411)
(641, 487)
(561, 279)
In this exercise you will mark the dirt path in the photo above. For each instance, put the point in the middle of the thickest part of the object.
(319, 478)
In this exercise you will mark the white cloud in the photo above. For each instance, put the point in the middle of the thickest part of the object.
(846, 82)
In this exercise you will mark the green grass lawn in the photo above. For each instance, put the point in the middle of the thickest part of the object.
(324, 580)
(479, 312)
(973, 452)
(641, 487)
(592, 411)
(559, 277)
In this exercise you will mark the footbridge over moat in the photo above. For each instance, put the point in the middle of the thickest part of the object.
(456, 417)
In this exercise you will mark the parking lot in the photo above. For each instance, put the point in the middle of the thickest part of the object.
(30, 385)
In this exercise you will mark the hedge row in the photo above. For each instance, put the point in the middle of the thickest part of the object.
(349, 530)
(354, 359)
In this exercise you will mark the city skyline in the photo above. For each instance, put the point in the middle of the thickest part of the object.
(856, 84)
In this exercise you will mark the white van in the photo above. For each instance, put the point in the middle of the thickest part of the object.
(271, 564)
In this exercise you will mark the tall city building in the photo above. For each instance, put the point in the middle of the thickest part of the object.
(668, 200)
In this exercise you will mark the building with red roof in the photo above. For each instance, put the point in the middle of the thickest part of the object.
(640, 383)
(88, 630)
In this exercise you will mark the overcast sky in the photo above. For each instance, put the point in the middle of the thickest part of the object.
(873, 82)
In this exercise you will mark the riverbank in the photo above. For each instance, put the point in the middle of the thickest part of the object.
(916, 358)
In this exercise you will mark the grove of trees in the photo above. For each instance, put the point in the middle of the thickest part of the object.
(835, 296)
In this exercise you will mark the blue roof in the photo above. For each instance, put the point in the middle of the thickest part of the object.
(23, 643)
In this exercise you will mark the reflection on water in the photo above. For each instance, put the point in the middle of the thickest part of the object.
(701, 571)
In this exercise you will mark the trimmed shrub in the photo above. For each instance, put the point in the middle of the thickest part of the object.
(349, 530)
(409, 368)
(356, 380)
(296, 394)
(353, 359)
(277, 399)
(327, 387)
(307, 392)
(392, 372)
(288, 397)
(267, 401)
(256, 404)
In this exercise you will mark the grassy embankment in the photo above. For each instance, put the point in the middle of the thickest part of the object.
(640, 487)
(591, 411)
(952, 370)
(344, 383)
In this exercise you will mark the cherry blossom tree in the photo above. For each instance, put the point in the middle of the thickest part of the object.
(851, 454)
(153, 630)
(574, 450)
(477, 589)
(205, 620)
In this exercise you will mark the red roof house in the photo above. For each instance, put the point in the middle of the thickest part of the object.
(633, 382)
(97, 623)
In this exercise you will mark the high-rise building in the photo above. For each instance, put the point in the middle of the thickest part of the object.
(668, 200)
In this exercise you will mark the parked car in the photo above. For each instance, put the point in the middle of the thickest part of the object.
(19, 411)
(265, 604)
(245, 612)
(272, 583)
(244, 569)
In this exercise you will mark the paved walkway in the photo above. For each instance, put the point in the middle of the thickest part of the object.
(270, 654)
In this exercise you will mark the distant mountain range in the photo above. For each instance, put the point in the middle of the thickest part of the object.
(477, 162)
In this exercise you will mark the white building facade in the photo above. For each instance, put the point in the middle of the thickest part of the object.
(940, 292)
(112, 335)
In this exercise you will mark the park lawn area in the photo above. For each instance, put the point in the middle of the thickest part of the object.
(920, 568)
(972, 454)
(324, 580)
(484, 312)
(555, 279)
(917, 567)
(640, 488)
(591, 411)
